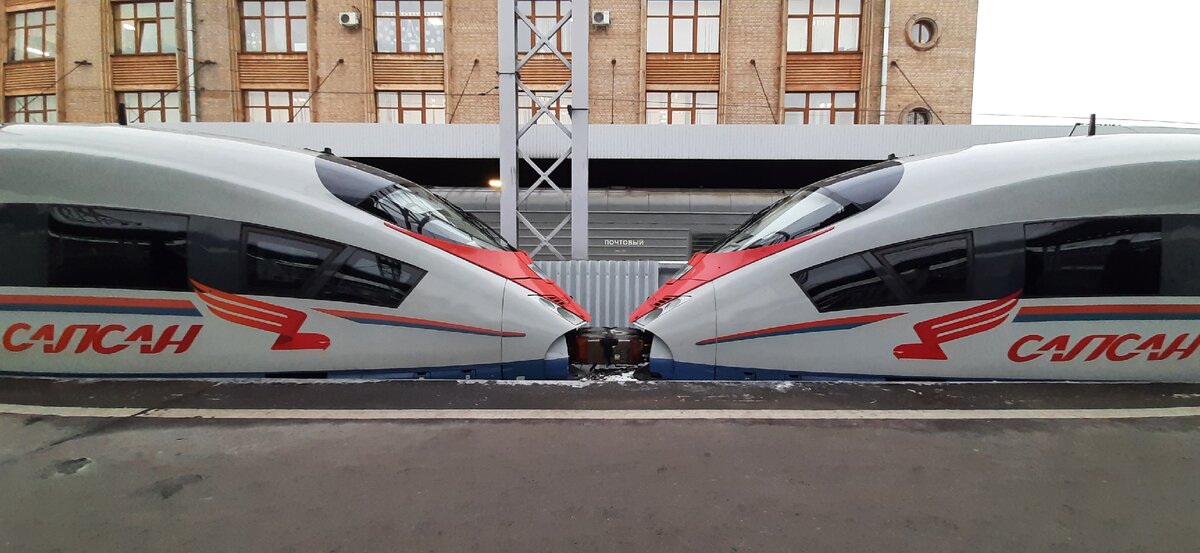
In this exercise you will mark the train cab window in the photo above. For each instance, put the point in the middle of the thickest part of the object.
(815, 206)
(371, 279)
(934, 269)
(1111, 256)
(282, 264)
(404, 203)
(92, 247)
(846, 283)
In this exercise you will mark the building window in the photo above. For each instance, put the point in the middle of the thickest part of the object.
(42, 108)
(820, 108)
(150, 107)
(274, 26)
(526, 108)
(411, 108)
(544, 14)
(145, 27)
(918, 116)
(31, 35)
(683, 26)
(277, 106)
(409, 26)
(922, 32)
(823, 25)
(681, 108)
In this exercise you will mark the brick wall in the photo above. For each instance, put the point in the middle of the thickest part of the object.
(751, 30)
(84, 94)
(470, 36)
(216, 41)
(616, 89)
(346, 94)
(944, 74)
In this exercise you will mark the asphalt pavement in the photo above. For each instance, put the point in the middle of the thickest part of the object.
(445, 466)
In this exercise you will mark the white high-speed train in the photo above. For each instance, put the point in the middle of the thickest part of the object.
(1065, 259)
(131, 252)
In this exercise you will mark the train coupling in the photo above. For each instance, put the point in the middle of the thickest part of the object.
(597, 350)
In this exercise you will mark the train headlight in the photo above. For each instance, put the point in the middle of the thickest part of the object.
(562, 312)
(658, 311)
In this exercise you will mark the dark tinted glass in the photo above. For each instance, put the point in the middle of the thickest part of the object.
(1114, 256)
(371, 279)
(92, 247)
(279, 264)
(404, 203)
(1181, 255)
(933, 269)
(815, 206)
(23, 244)
(847, 283)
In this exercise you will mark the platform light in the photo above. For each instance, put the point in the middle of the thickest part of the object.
(495, 183)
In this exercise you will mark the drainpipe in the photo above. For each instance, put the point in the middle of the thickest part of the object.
(189, 22)
(883, 72)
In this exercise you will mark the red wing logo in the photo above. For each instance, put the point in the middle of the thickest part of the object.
(284, 321)
(953, 326)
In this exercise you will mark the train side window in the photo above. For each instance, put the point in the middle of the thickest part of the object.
(1111, 256)
(280, 263)
(932, 269)
(93, 247)
(23, 241)
(846, 283)
(371, 279)
(1181, 255)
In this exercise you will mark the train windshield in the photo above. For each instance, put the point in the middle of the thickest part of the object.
(404, 203)
(815, 206)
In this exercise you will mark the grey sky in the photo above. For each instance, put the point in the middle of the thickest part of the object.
(1118, 59)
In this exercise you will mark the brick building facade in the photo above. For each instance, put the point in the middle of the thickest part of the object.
(677, 61)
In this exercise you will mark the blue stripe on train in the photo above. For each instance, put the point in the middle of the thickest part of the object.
(538, 369)
(106, 309)
(676, 370)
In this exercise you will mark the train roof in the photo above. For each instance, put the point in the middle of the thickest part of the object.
(1035, 180)
(221, 157)
(173, 172)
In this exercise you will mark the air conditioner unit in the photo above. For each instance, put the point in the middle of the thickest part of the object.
(350, 19)
(600, 18)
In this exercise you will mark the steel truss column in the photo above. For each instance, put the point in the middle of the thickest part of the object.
(511, 21)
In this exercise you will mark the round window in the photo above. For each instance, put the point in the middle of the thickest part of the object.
(922, 32)
(918, 116)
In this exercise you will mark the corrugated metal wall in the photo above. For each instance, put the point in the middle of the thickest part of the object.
(609, 290)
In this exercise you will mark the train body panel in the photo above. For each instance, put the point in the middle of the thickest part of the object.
(153, 253)
(1058, 259)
